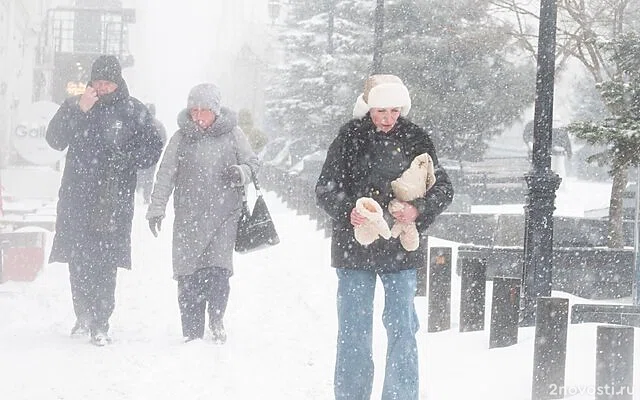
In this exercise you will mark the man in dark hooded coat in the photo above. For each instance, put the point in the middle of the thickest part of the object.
(108, 135)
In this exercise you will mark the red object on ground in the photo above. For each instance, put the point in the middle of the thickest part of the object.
(22, 255)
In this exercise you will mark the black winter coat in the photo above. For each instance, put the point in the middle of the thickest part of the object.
(106, 147)
(362, 162)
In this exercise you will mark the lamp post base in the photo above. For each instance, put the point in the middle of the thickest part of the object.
(538, 242)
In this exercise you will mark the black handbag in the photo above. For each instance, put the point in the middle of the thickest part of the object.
(255, 228)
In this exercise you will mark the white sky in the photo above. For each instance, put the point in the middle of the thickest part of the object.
(282, 329)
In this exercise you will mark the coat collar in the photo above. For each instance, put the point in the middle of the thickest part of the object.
(224, 123)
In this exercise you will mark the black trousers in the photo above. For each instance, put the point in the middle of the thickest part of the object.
(207, 289)
(93, 288)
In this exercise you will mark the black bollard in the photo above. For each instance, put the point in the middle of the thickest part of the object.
(505, 303)
(614, 362)
(550, 348)
(439, 293)
(473, 276)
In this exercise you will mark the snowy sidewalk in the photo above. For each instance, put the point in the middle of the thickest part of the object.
(282, 329)
(280, 322)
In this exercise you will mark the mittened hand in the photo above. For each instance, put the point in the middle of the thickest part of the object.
(233, 175)
(155, 223)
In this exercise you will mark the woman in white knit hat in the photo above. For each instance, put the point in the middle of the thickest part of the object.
(369, 152)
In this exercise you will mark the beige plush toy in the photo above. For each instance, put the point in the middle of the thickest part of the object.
(412, 184)
(375, 226)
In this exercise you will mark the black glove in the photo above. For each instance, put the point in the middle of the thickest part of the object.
(234, 175)
(155, 223)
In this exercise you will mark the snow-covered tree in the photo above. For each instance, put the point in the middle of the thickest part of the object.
(582, 26)
(465, 79)
(327, 47)
(594, 33)
(619, 133)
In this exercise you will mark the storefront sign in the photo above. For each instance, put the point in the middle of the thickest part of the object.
(29, 135)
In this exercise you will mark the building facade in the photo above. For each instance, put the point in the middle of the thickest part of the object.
(46, 49)
(20, 26)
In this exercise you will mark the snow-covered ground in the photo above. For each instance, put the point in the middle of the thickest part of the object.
(282, 330)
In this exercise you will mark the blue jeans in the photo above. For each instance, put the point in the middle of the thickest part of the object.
(353, 379)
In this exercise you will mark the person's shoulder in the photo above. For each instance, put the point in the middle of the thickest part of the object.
(135, 103)
(228, 119)
(173, 141)
(350, 127)
(133, 108)
(70, 103)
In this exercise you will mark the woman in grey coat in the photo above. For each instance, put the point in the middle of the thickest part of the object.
(206, 165)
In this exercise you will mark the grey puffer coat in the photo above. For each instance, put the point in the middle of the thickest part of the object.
(206, 205)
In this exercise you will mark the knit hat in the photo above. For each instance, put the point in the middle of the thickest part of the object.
(383, 91)
(106, 68)
(205, 95)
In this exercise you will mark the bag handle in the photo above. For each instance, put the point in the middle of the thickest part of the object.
(254, 179)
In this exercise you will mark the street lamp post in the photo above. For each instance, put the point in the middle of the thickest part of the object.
(541, 180)
(635, 287)
(274, 10)
(378, 38)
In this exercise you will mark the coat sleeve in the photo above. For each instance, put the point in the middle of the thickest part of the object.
(247, 159)
(148, 147)
(331, 193)
(438, 198)
(68, 122)
(165, 180)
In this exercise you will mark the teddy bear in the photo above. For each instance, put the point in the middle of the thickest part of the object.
(375, 226)
(412, 184)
